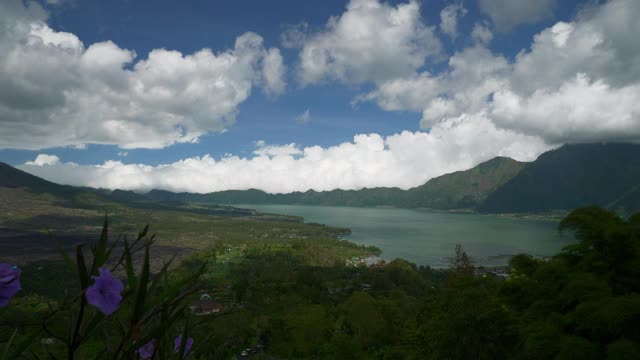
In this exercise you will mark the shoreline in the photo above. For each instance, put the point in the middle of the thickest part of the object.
(551, 216)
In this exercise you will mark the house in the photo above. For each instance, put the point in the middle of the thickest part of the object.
(205, 306)
(496, 272)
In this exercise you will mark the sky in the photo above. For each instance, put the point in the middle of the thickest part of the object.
(284, 96)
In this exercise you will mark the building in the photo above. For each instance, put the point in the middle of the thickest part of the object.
(205, 306)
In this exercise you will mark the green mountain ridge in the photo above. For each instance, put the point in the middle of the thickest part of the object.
(465, 189)
(15, 178)
(458, 190)
(561, 179)
(573, 176)
(565, 178)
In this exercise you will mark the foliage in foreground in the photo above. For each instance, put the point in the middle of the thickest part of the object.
(104, 317)
(583, 303)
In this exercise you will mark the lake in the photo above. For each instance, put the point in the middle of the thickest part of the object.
(429, 237)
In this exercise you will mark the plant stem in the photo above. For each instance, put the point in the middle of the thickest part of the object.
(74, 339)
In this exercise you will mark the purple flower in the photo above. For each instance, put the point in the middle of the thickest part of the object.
(187, 347)
(9, 283)
(146, 351)
(105, 292)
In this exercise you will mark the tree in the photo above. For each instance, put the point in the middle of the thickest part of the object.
(364, 318)
(461, 263)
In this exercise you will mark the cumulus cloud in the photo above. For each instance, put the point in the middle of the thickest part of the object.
(481, 34)
(449, 19)
(473, 75)
(55, 91)
(304, 118)
(276, 150)
(406, 160)
(294, 36)
(506, 14)
(44, 159)
(370, 42)
(587, 111)
(273, 69)
(578, 81)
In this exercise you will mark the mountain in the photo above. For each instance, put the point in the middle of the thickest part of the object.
(23, 190)
(627, 203)
(561, 179)
(11, 177)
(572, 176)
(465, 189)
(458, 190)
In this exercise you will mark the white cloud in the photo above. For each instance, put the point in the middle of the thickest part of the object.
(577, 82)
(123, 153)
(276, 150)
(449, 19)
(473, 75)
(481, 34)
(44, 159)
(304, 118)
(406, 160)
(369, 42)
(581, 110)
(294, 36)
(273, 69)
(506, 14)
(600, 43)
(55, 91)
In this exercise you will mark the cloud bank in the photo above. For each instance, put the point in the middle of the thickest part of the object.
(404, 160)
(579, 81)
(56, 91)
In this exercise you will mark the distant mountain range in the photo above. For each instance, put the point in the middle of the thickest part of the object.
(458, 190)
(562, 179)
(572, 176)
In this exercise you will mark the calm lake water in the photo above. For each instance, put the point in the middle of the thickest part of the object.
(428, 238)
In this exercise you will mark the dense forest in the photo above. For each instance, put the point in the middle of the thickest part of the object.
(584, 303)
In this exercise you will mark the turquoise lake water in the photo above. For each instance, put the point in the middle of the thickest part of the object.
(428, 237)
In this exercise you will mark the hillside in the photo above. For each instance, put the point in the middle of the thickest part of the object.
(11, 177)
(627, 203)
(36, 215)
(570, 177)
(465, 189)
(565, 178)
(461, 189)
(561, 179)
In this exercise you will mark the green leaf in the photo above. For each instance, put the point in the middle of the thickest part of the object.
(144, 232)
(6, 348)
(131, 276)
(142, 288)
(65, 257)
(110, 249)
(100, 251)
(185, 337)
(18, 350)
(82, 268)
(93, 324)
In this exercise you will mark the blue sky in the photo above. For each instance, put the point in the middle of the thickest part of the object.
(441, 65)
